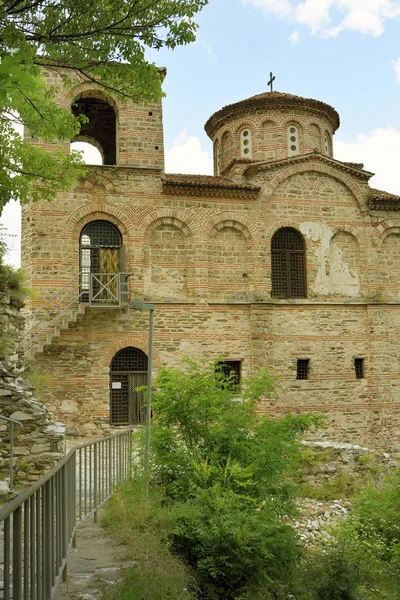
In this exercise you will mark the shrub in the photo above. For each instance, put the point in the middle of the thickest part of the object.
(226, 473)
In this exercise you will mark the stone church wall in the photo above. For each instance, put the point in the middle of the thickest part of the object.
(40, 443)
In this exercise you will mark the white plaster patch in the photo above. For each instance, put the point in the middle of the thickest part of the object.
(334, 276)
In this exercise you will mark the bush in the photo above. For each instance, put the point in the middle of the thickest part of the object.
(226, 473)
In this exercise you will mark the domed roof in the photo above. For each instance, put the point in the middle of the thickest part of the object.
(269, 100)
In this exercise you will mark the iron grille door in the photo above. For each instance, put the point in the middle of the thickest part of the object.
(119, 405)
(137, 408)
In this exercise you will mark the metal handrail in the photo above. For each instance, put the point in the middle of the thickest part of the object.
(39, 525)
(67, 297)
(33, 315)
(12, 423)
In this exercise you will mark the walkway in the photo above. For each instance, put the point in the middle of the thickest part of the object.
(97, 562)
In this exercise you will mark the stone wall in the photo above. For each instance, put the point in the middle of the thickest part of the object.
(40, 442)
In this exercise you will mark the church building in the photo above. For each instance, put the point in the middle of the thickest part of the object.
(284, 258)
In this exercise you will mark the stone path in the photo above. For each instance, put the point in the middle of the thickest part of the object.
(97, 562)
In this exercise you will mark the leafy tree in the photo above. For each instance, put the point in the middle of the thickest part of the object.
(225, 472)
(103, 42)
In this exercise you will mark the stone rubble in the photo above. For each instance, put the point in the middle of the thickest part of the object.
(40, 442)
(317, 517)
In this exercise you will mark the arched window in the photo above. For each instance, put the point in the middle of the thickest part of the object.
(100, 245)
(327, 144)
(217, 157)
(293, 140)
(100, 130)
(288, 264)
(245, 143)
(128, 371)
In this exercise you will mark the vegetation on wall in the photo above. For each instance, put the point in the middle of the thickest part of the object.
(100, 42)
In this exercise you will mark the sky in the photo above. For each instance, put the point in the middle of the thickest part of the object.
(343, 52)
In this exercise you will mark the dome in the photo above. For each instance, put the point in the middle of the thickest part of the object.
(270, 126)
(267, 101)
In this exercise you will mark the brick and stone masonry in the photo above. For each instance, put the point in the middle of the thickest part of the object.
(199, 247)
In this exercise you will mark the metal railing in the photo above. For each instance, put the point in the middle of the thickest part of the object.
(101, 290)
(12, 422)
(39, 525)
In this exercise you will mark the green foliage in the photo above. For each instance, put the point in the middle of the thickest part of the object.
(40, 380)
(342, 485)
(103, 42)
(337, 574)
(224, 471)
(144, 527)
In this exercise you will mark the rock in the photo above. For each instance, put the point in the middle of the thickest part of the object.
(21, 416)
(37, 448)
(4, 488)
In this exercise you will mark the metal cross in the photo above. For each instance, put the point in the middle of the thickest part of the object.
(271, 81)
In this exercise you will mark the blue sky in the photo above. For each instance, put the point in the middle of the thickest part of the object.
(344, 52)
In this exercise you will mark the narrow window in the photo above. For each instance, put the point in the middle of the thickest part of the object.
(229, 370)
(293, 140)
(359, 368)
(217, 159)
(288, 264)
(302, 368)
(327, 144)
(245, 143)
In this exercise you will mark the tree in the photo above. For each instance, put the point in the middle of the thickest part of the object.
(226, 473)
(101, 41)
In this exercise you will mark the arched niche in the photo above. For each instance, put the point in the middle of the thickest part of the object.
(166, 259)
(388, 271)
(344, 264)
(228, 260)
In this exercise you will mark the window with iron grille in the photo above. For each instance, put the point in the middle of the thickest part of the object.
(288, 264)
(303, 365)
(100, 245)
(359, 368)
(230, 369)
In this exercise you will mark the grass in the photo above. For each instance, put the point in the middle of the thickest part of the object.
(143, 527)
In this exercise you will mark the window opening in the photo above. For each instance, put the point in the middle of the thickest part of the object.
(288, 264)
(293, 140)
(245, 143)
(128, 372)
(217, 159)
(101, 125)
(327, 145)
(100, 245)
(303, 368)
(230, 370)
(91, 155)
(359, 368)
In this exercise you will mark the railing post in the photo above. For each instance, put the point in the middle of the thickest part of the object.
(11, 456)
(95, 483)
(17, 554)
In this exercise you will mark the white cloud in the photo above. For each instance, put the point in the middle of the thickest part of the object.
(396, 65)
(187, 156)
(379, 150)
(280, 8)
(294, 37)
(329, 17)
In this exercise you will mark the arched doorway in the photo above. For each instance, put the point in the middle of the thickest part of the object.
(100, 248)
(128, 371)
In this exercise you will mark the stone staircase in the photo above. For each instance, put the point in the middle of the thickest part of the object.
(63, 309)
